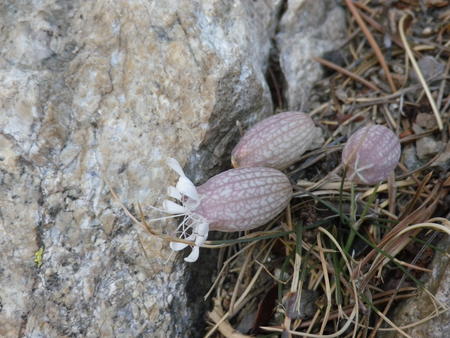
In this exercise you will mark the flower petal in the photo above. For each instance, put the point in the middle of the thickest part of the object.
(193, 256)
(173, 163)
(176, 246)
(173, 208)
(174, 193)
(186, 187)
(202, 229)
(201, 233)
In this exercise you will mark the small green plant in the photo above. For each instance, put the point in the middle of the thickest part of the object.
(39, 257)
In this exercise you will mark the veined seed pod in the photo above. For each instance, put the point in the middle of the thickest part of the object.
(235, 200)
(371, 154)
(277, 141)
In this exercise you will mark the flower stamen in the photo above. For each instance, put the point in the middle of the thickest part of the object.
(193, 227)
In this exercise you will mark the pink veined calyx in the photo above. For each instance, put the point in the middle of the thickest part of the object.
(234, 200)
(371, 154)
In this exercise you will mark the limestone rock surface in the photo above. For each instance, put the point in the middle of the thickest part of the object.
(308, 28)
(103, 91)
(426, 146)
(415, 309)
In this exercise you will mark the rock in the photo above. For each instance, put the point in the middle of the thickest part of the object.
(409, 157)
(426, 121)
(417, 308)
(430, 67)
(306, 308)
(307, 29)
(426, 146)
(443, 160)
(103, 91)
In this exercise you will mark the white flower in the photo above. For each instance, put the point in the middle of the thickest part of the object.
(193, 227)
(235, 200)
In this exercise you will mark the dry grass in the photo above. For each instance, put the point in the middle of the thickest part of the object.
(361, 249)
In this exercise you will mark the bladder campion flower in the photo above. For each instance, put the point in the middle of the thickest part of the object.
(235, 200)
(277, 141)
(371, 154)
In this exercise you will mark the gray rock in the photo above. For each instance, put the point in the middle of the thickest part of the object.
(308, 28)
(443, 160)
(409, 157)
(426, 146)
(417, 308)
(103, 91)
(430, 67)
(426, 121)
(306, 308)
